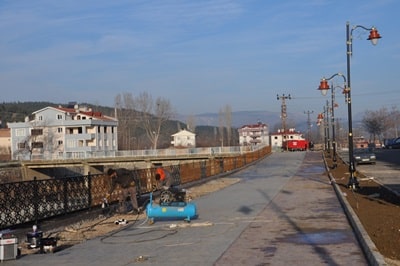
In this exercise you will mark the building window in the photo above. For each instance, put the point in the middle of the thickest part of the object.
(60, 142)
(21, 145)
(37, 145)
(19, 132)
(37, 132)
(60, 130)
(40, 118)
(59, 117)
(71, 143)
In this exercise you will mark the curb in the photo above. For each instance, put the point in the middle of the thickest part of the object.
(373, 256)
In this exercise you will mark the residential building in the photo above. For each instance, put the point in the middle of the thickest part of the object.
(5, 144)
(254, 134)
(59, 132)
(184, 139)
(281, 136)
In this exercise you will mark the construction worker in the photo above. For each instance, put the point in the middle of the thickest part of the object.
(125, 178)
(163, 178)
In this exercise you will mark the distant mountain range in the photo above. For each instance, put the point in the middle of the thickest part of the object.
(16, 111)
(272, 119)
(241, 118)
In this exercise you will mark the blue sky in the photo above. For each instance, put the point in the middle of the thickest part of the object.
(201, 55)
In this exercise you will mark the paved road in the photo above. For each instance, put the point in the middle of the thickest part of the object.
(282, 212)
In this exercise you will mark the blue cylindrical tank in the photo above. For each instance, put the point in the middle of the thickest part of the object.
(176, 210)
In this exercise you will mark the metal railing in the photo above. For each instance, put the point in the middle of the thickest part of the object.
(86, 153)
(30, 201)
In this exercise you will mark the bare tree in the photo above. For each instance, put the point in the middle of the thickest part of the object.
(375, 122)
(127, 118)
(40, 141)
(393, 123)
(225, 124)
(228, 123)
(191, 123)
(221, 127)
(153, 115)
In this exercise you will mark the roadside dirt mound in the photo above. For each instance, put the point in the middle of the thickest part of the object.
(378, 209)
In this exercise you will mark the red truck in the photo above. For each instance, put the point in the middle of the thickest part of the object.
(295, 145)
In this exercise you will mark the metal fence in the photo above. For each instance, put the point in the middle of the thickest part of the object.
(30, 201)
(137, 153)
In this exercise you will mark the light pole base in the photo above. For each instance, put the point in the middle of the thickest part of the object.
(353, 184)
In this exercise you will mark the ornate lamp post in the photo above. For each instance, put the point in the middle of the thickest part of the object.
(324, 87)
(373, 37)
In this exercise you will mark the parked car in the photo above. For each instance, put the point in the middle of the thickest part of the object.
(364, 155)
(393, 144)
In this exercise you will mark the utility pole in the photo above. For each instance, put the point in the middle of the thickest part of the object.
(283, 98)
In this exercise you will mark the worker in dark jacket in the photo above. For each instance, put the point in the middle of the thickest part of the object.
(163, 178)
(125, 178)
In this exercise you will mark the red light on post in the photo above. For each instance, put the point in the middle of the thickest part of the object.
(324, 86)
(374, 36)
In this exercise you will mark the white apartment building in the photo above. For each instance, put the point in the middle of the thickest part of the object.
(254, 134)
(62, 133)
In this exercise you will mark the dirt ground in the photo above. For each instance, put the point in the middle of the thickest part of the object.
(377, 208)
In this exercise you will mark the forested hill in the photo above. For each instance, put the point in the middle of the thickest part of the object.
(17, 111)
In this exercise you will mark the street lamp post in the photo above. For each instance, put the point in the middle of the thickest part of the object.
(334, 142)
(373, 37)
(326, 127)
(333, 126)
(324, 87)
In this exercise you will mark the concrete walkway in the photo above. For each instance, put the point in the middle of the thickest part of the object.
(283, 212)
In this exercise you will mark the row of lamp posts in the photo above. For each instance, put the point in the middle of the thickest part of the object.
(324, 87)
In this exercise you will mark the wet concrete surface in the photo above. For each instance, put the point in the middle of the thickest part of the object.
(282, 212)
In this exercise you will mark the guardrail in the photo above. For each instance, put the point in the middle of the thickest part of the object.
(30, 201)
(139, 153)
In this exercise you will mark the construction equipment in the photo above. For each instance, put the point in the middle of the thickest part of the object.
(172, 207)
